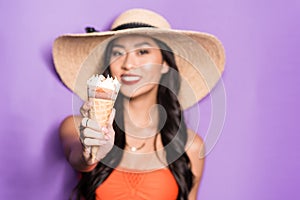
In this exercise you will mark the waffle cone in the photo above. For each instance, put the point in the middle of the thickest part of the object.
(100, 112)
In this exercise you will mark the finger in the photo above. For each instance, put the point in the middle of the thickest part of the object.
(86, 151)
(84, 110)
(109, 133)
(84, 113)
(106, 133)
(112, 116)
(85, 121)
(90, 133)
(86, 106)
(94, 142)
(93, 124)
(109, 130)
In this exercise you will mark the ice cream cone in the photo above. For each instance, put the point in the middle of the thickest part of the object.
(100, 111)
(102, 93)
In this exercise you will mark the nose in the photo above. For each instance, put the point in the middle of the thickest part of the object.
(129, 61)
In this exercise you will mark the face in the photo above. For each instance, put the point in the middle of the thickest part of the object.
(137, 62)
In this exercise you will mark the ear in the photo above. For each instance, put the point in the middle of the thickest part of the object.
(165, 68)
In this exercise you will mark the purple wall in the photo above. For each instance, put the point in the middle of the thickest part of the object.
(257, 155)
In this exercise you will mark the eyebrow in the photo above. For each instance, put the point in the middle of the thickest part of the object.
(142, 44)
(118, 45)
(136, 45)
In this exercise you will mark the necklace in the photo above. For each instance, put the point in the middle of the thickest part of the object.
(134, 149)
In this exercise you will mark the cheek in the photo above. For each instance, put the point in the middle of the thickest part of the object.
(115, 66)
(114, 71)
(152, 71)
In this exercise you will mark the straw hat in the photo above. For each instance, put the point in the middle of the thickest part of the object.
(199, 56)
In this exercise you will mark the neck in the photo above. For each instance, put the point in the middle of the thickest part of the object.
(141, 115)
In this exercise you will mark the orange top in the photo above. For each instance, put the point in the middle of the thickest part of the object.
(158, 185)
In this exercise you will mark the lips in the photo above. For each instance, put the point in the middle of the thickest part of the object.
(129, 79)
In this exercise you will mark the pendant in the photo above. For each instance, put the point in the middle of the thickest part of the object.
(133, 149)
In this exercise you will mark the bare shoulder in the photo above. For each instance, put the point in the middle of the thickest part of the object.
(69, 131)
(69, 124)
(195, 151)
(195, 144)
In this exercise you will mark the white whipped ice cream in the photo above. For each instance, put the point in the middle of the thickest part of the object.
(100, 81)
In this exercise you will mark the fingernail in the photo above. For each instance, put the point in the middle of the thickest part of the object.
(105, 130)
(107, 137)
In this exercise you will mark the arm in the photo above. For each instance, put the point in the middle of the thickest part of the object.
(195, 151)
(73, 149)
(78, 135)
(78, 144)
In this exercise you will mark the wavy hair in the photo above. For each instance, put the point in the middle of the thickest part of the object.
(173, 134)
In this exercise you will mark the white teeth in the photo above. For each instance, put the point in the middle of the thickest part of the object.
(130, 78)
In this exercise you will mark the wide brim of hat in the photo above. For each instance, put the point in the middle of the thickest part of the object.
(200, 58)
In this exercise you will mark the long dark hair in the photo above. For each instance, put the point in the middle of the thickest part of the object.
(173, 134)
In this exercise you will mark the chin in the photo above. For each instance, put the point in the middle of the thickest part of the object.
(144, 92)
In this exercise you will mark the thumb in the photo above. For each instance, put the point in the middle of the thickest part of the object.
(112, 116)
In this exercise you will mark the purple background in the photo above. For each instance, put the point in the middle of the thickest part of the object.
(257, 155)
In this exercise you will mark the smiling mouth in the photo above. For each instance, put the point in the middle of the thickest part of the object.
(130, 79)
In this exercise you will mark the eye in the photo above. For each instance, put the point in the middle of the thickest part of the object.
(143, 51)
(117, 53)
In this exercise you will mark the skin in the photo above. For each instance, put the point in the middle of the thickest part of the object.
(138, 64)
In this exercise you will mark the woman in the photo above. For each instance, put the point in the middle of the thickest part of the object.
(146, 150)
